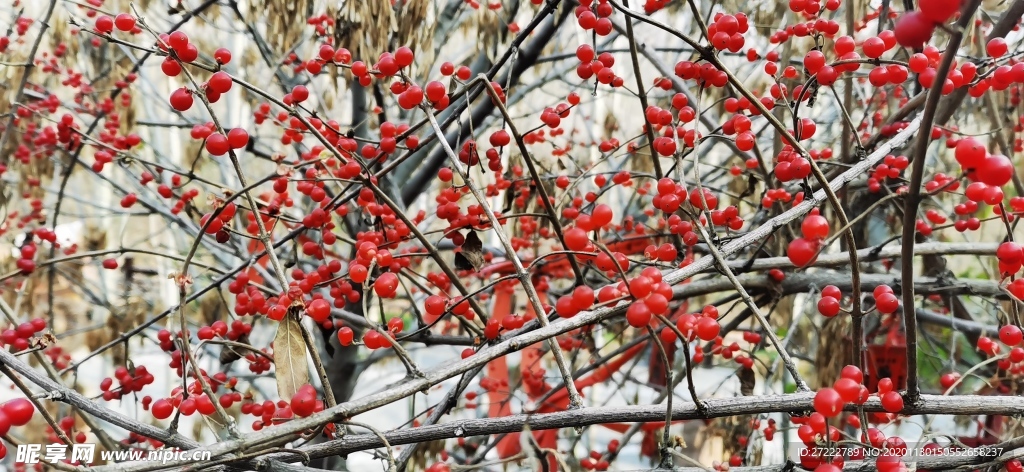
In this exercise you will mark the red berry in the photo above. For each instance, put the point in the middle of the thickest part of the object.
(828, 306)
(178, 40)
(802, 252)
(828, 402)
(110, 264)
(124, 22)
(404, 56)
(1011, 335)
(913, 30)
(638, 314)
(576, 239)
(887, 303)
(848, 389)
(814, 227)
(345, 336)
(222, 55)
(995, 170)
(162, 409)
(104, 24)
(5, 424)
(319, 310)
(299, 93)
(892, 402)
(996, 47)
(238, 138)
(852, 372)
(181, 99)
(19, 411)
(949, 379)
(386, 285)
(938, 11)
(219, 82)
(708, 328)
(217, 144)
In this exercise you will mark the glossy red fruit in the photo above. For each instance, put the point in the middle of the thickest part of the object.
(887, 303)
(828, 306)
(434, 305)
(848, 389)
(319, 310)
(217, 144)
(802, 252)
(708, 328)
(996, 170)
(386, 285)
(299, 93)
(828, 402)
(219, 82)
(852, 372)
(181, 99)
(996, 47)
(162, 409)
(222, 55)
(5, 423)
(345, 336)
(238, 138)
(439, 467)
(124, 22)
(110, 264)
(913, 30)
(832, 291)
(1011, 335)
(938, 11)
(638, 315)
(576, 239)
(304, 401)
(892, 402)
(104, 24)
(1010, 252)
(948, 380)
(814, 227)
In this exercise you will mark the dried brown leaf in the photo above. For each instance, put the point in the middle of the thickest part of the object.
(290, 358)
(471, 255)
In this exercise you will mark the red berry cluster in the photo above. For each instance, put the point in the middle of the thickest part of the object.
(128, 382)
(19, 337)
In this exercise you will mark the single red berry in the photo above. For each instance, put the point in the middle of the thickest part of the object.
(222, 55)
(638, 315)
(996, 47)
(124, 22)
(938, 11)
(828, 402)
(319, 310)
(19, 411)
(708, 328)
(345, 336)
(299, 93)
(828, 306)
(219, 82)
(217, 144)
(913, 30)
(238, 138)
(802, 252)
(181, 99)
(104, 24)
(386, 285)
(162, 409)
(892, 402)
(1011, 335)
